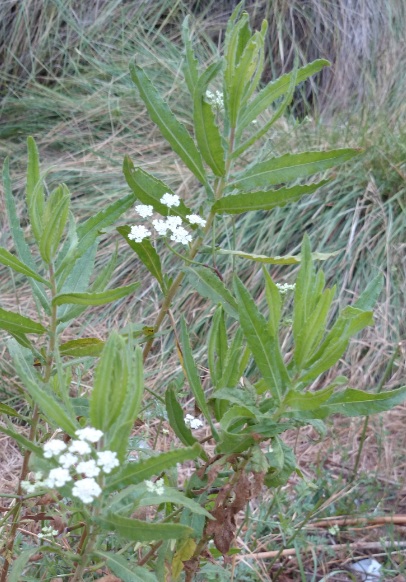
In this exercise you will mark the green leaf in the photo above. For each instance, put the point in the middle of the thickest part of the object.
(53, 409)
(142, 531)
(290, 167)
(193, 376)
(276, 89)
(110, 383)
(4, 409)
(176, 418)
(126, 570)
(146, 253)
(34, 190)
(149, 190)
(20, 563)
(55, 216)
(274, 300)
(239, 203)
(265, 349)
(210, 286)
(217, 346)
(11, 261)
(308, 401)
(18, 238)
(95, 298)
(21, 440)
(88, 231)
(134, 473)
(172, 130)
(88, 346)
(190, 65)
(369, 297)
(207, 132)
(284, 260)
(19, 324)
(352, 402)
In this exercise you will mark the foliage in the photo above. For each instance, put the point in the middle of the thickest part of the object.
(259, 389)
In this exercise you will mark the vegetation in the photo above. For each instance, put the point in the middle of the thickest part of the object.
(66, 82)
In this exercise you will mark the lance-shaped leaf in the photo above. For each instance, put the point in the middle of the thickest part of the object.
(11, 261)
(126, 571)
(19, 324)
(176, 418)
(88, 346)
(95, 298)
(4, 409)
(276, 89)
(239, 203)
(283, 260)
(207, 132)
(142, 531)
(149, 190)
(146, 253)
(209, 285)
(18, 238)
(88, 231)
(193, 376)
(265, 349)
(172, 130)
(369, 297)
(290, 167)
(134, 473)
(190, 65)
(55, 217)
(54, 409)
(35, 190)
(21, 440)
(217, 346)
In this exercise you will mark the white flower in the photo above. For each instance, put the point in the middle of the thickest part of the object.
(89, 434)
(81, 447)
(88, 468)
(53, 448)
(48, 532)
(28, 487)
(157, 487)
(57, 478)
(144, 210)
(107, 460)
(193, 422)
(196, 219)
(170, 200)
(181, 235)
(86, 490)
(67, 460)
(160, 226)
(138, 233)
(173, 222)
(215, 99)
(285, 287)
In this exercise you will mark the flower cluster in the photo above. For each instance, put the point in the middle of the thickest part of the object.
(157, 487)
(284, 288)
(193, 422)
(173, 224)
(216, 99)
(78, 463)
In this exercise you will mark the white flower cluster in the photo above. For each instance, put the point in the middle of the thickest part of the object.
(216, 99)
(48, 532)
(78, 462)
(157, 487)
(285, 287)
(193, 422)
(173, 224)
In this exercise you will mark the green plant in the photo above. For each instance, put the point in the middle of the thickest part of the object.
(256, 389)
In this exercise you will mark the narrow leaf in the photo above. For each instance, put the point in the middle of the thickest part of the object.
(267, 200)
(126, 570)
(89, 346)
(176, 418)
(207, 132)
(19, 324)
(21, 440)
(11, 261)
(142, 531)
(190, 65)
(290, 167)
(146, 253)
(34, 189)
(209, 285)
(284, 260)
(134, 473)
(95, 298)
(172, 130)
(55, 217)
(369, 297)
